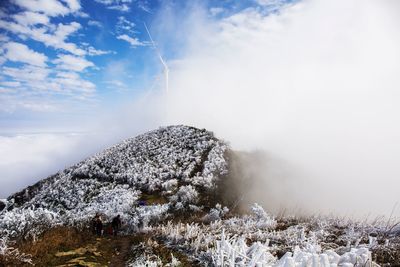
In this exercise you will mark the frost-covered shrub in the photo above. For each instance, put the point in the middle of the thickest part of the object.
(186, 195)
(258, 211)
(27, 223)
(151, 260)
(147, 214)
(216, 213)
(111, 182)
(174, 262)
(357, 257)
(169, 185)
(264, 220)
(146, 261)
(221, 244)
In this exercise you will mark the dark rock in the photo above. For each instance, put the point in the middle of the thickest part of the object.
(2, 205)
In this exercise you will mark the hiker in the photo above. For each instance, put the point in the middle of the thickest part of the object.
(97, 225)
(116, 224)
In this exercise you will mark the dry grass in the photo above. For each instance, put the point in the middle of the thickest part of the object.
(66, 246)
(42, 251)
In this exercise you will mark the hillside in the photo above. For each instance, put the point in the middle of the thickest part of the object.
(172, 163)
(174, 190)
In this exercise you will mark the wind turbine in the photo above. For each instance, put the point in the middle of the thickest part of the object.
(166, 69)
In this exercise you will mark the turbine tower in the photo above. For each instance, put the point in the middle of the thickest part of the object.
(163, 63)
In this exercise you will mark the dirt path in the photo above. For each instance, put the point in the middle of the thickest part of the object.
(104, 251)
(69, 247)
(116, 252)
(122, 250)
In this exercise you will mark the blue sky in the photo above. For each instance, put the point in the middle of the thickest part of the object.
(63, 60)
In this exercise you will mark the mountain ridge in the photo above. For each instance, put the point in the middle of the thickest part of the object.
(114, 165)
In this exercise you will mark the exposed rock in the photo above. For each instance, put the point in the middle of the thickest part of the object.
(2, 205)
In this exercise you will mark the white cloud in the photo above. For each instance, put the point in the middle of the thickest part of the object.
(122, 8)
(214, 11)
(120, 5)
(37, 107)
(19, 100)
(144, 5)
(82, 14)
(116, 84)
(125, 25)
(63, 30)
(91, 51)
(74, 5)
(95, 23)
(5, 91)
(21, 53)
(10, 84)
(105, 2)
(269, 2)
(55, 36)
(72, 82)
(31, 18)
(27, 73)
(77, 86)
(42, 80)
(271, 6)
(133, 41)
(68, 75)
(49, 7)
(4, 38)
(2, 60)
(72, 63)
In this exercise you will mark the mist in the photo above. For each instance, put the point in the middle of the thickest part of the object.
(29, 155)
(314, 87)
(27, 158)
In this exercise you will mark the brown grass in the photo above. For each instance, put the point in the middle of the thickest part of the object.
(51, 241)
(63, 246)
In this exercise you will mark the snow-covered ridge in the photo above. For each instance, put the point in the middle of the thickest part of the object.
(173, 163)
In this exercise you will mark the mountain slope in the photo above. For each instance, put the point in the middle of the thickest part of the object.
(174, 163)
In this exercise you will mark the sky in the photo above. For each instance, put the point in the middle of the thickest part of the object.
(64, 61)
(311, 85)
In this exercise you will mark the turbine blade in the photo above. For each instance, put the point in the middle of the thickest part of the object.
(166, 69)
(154, 45)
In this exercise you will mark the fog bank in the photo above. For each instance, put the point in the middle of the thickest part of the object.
(314, 86)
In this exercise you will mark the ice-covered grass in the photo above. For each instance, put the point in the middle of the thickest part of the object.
(260, 240)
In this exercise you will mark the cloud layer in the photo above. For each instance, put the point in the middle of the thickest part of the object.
(25, 159)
